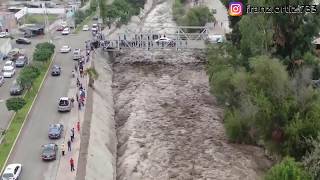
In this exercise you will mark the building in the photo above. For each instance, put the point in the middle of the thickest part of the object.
(7, 21)
(5, 47)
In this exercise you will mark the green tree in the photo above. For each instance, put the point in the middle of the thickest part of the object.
(256, 32)
(312, 159)
(93, 75)
(27, 76)
(46, 45)
(42, 55)
(15, 103)
(288, 169)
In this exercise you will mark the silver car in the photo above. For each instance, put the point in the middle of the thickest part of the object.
(1, 80)
(64, 104)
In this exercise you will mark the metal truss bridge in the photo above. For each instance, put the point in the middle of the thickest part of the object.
(155, 38)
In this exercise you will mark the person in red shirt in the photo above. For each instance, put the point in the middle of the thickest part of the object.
(72, 164)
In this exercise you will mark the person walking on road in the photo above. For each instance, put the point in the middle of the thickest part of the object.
(72, 102)
(62, 149)
(72, 134)
(71, 164)
(77, 97)
(79, 105)
(69, 145)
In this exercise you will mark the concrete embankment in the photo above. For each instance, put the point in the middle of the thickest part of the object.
(101, 157)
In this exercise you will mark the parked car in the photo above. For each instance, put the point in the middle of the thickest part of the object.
(9, 69)
(76, 54)
(66, 31)
(55, 70)
(16, 89)
(49, 151)
(8, 64)
(12, 172)
(22, 61)
(64, 104)
(85, 28)
(1, 80)
(14, 54)
(4, 34)
(55, 131)
(9, 72)
(65, 49)
(23, 41)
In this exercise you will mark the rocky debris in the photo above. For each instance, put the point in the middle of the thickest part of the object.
(169, 126)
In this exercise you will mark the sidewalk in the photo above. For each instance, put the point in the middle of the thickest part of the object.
(64, 169)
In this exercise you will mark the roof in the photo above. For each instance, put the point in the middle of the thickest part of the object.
(64, 98)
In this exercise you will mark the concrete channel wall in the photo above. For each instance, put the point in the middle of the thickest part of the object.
(101, 158)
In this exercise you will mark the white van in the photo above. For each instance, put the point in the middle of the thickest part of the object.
(9, 71)
(76, 54)
(213, 39)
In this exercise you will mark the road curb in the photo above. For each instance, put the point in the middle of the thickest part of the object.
(24, 121)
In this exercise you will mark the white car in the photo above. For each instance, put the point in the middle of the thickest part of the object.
(163, 39)
(85, 28)
(3, 34)
(213, 39)
(9, 72)
(8, 64)
(65, 49)
(12, 172)
(65, 31)
(76, 54)
(94, 27)
(1, 80)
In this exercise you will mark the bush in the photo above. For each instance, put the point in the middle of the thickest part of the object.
(15, 103)
(27, 76)
(312, 159)
(288, 169)
(43, 52)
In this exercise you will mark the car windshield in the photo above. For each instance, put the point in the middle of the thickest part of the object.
(63, 103)
(7, 175)
(47, 149)
(65, 47)
(8, 64)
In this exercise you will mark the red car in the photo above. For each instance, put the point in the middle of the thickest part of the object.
(60, 28)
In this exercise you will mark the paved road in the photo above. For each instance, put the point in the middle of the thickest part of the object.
(28, 148)
(5, 115)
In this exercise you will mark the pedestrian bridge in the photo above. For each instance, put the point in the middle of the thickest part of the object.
(185, 37)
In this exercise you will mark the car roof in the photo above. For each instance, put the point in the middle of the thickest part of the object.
(65, 46)
(49, 145)
(8, 62)
(10, 168)
(64, 98)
